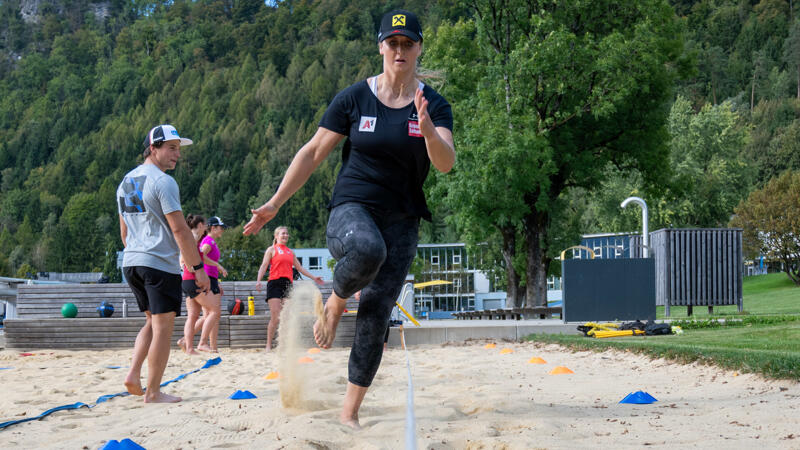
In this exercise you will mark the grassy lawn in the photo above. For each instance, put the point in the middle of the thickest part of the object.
(771, 349)
(773, 293)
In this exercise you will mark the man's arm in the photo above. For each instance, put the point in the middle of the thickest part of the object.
(188, 246)
(123, 231)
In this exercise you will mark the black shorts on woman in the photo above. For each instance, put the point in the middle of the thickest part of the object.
(190, 289)
(376, 206)
(278, 288)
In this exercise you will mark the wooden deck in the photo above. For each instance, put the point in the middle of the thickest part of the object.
(40, 324)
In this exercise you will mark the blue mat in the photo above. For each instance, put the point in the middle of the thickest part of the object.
(104, 398)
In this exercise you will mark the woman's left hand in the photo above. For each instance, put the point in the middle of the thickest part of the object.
(426, 126)
(224, 272)
(319, 280)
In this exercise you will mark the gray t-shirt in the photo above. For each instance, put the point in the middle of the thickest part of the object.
(144, 197)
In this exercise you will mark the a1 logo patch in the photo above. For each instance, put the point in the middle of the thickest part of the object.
(367, 124)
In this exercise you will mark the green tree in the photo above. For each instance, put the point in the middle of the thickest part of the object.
(546, 97)
(770, 219)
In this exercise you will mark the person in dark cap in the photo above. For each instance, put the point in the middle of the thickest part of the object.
(394, 127)
(155, 235)
(212, 311)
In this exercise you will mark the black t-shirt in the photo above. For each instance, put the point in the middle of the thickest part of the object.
(384, 159)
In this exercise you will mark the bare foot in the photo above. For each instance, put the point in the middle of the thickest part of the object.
(351, 422)
(160, 397)
(186, 349)
(133, 384)
(204, 348)
(325, 327)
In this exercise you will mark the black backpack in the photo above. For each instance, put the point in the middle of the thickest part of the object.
(656, 329)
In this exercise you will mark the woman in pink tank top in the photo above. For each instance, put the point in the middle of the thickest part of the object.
(212, 310)
(196, 300)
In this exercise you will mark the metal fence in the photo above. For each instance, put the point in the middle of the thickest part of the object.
(698, 267)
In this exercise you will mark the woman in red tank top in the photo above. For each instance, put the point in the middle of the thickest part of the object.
(281, 261)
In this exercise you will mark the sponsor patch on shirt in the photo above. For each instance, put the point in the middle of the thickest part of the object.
(367, 124)
(413, 128)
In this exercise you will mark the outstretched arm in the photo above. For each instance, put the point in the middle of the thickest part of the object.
(302, 270)
(307, 159)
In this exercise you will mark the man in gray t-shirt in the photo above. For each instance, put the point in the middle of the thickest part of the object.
(155, 234)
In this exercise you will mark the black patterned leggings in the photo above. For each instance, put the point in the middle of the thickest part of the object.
(374, 251)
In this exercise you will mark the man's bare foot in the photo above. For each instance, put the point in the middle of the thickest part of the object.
(133, 384)
(160, 397)
(325, 327)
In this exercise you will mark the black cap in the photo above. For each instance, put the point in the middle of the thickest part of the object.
(400, 21)
(216, 222)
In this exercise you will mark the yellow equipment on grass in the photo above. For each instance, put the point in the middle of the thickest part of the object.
(617, 333)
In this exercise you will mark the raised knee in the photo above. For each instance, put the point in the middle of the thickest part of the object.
(370, 254)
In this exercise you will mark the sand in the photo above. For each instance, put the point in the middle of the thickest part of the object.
(467, 396)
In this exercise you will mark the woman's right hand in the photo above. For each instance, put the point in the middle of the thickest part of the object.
(260, 218)
(258, 286)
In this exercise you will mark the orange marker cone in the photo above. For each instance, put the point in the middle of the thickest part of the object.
(490, 346)
(536, 360)
(560, 370)
(305, 360)
(313, 350)
(272, 376)
(506, 351)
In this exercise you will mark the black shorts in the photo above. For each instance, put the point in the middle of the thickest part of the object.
(214, 284)
(278, 288)
(156, 291)
(190, 288)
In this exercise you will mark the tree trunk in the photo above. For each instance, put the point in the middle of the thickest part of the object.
(798, 81)
(509, 251)
(535, 255)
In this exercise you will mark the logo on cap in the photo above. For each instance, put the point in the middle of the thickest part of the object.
(399, 20)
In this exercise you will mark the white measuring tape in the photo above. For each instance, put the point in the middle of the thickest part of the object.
(411, 426)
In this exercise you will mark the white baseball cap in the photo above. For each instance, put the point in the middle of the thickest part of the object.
(163, 133)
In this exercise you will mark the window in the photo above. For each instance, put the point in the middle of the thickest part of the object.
(457, 283)
(457, 258)
(435, 259)
(314, 263)
(300, 260)
(618, 251)
(598, 252)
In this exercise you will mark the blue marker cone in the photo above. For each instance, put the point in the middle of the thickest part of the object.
(639, 398)
(242, 395)
(125, 444)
